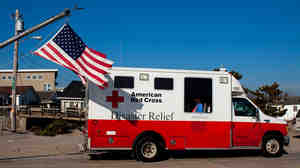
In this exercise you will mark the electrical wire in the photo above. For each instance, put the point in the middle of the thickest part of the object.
(6, 62)
(31, 57)
(30, 60)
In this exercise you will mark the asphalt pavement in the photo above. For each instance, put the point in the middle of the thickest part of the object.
(203, 159)
(217, 161)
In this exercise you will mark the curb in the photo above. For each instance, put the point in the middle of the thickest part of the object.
(38, 156)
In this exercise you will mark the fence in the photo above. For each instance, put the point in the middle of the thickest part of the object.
(51, 112)
(36, 110)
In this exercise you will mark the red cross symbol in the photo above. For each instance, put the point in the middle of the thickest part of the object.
(115, 99)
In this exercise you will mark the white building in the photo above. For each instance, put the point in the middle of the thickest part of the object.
(72, 98)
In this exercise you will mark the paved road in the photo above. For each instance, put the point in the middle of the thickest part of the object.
(195, 159)
(36, 155)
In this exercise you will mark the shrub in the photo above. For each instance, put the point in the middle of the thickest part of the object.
(57, 127)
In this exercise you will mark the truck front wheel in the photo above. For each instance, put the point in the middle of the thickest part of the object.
(148, 149)
(272, 146)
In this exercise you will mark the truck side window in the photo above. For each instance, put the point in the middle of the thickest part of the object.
(198, 95)
(242, 107)
(124, 82)
(163, 83)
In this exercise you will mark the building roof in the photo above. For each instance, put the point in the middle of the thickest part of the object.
(75, 90)
(47, 97)
(20, 89)
(30, 70)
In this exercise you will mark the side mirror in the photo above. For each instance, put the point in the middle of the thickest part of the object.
(257, 115)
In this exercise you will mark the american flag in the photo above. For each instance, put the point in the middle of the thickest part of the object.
(67, 49)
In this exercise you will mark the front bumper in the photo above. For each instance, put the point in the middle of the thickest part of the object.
(286, 140)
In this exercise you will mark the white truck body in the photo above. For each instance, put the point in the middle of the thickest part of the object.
(163, 105)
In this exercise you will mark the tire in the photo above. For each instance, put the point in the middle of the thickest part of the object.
(272, 146)
(148, 149)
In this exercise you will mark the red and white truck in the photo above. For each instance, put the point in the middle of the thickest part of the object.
(150, 111)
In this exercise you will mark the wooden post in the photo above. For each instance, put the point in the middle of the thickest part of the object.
(86, 103)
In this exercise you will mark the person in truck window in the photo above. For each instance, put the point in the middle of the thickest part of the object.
(199, 106)
(208, 109)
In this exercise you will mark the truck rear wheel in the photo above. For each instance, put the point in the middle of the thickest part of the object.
(272, 146)
(148, 149)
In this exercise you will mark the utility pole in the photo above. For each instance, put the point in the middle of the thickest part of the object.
(19, 33)
(18, 28)
(66, 12)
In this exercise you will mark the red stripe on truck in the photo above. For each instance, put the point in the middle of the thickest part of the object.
(187, 134)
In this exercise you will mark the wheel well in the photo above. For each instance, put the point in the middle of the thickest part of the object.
(276, 133)
(153, 134)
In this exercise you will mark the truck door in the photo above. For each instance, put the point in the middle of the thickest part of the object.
(246, 128)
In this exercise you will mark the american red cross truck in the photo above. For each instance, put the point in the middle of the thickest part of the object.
(150, 111)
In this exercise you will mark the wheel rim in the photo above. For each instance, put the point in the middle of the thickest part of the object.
(272, 146)
(149, 150)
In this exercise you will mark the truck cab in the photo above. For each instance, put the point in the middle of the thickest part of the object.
(251, 127)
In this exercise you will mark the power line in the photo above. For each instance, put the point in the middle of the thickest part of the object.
(29, 57)
(6, 53)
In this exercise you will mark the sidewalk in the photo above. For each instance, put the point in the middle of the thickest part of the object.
(294, 146)
(25, 145)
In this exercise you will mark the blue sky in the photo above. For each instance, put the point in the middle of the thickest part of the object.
(260, 39)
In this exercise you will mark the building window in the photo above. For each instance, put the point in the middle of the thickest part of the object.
(9, 77)
(124, 82)
(198, 95)
(3, 77)
(47, 87)
(163, 83)
(28, 77)
(22, 100)
(40, 77)
(34, 77)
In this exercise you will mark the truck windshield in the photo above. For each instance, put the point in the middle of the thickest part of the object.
(242, 107)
